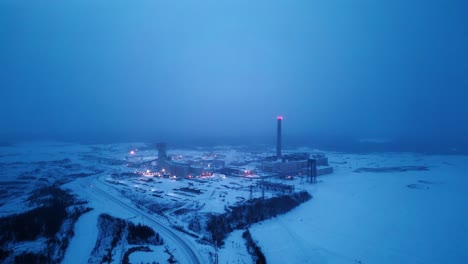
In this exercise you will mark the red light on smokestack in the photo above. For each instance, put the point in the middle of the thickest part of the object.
(279, 117)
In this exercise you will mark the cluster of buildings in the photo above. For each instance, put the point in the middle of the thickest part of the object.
(174, 166)
(285, 166)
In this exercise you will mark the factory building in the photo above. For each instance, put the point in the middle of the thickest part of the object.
(282, 165)
(201, 170)
(180, 169)
(183, 169)
(237, 171)
(322, 164)
(296, 163)
(210, 163)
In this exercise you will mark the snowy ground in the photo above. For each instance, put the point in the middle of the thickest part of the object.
(156, 256)
(415, 216)
(405, 217)
(234, 250)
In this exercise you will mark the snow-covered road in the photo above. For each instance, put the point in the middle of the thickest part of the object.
(104, 199)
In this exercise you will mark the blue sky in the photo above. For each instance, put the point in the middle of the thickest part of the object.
(152, 70)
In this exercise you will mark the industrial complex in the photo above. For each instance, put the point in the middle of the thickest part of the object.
(284, 166)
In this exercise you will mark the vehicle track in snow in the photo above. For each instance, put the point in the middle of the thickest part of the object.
(170, 237)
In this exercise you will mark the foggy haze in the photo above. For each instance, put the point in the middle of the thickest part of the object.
(214, 71)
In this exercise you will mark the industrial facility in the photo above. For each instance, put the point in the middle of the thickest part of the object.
(284, 166)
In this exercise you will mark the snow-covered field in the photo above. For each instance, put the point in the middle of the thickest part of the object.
(374, 208)
(393, 217)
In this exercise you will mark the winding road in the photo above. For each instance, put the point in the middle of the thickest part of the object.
(183, 248)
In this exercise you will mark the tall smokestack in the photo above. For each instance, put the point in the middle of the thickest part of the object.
(278, 138)
(162, 157)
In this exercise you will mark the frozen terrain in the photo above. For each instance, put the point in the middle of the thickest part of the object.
(376, 217)
(374, 208)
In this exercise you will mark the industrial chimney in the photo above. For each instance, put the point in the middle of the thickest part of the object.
(162, 156)
(278, 138)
